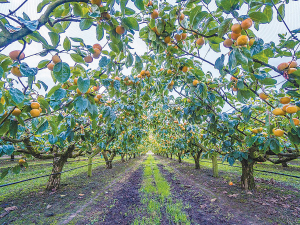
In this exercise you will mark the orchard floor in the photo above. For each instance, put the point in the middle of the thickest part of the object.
(116, 196)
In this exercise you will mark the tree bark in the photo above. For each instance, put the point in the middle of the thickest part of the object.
(179, 157)
(134, 155)
(215, 165)
(167, 155)
(122, 157)
(197, 159)
(58, 164)
(90, 161)
(171, 155)
(247, 178)
(12, 157)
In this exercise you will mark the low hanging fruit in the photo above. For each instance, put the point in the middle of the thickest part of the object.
(263, 96)
(56, 59)
(296, 121)
(246, 24)
(16, 112)
(236, 28)
(235, 36)
(16, 71)
(167, 39)
(278, 112)
(88, 59)
(35, 105)
(227, 43)
(195, 82)
(278, 132)
(154, 14)
(200, 41)
(285, 100)
(14, 55)
(291, 109)
(120, 30)
(35, 112)
(242, 40)
(50, 66)
(283, 66)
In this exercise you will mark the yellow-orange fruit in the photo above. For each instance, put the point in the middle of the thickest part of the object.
(246, 24)
(242, 40)
(195, 82)
(255, 131)
(291, 109)
(183, 36)
(35, 105)
(292, 64)
(148, 73)
(16, 112)
(88, 59)
(154, 14)
(96, 53)
(181, 16)
(98, 46)
(200, 41)
(143, 72)
(251, 41)
(40, 109)
(120, 30)
(50, 66)
(232, 78)
(278, 132)
(283, 66)
(285, 100)
(56, 59)
(21, 161)
(185, 69)
(177, 37)
(292, 70)
(149, 3)
(2, 100)
(96, 100)
(236, 28)
(171, 83)
(106, 15)
(227, 43)
(284, 107)
(14, 55)
(167, 39)
(96, 2)
(278, 111)
(263, 96)
(78, 91)
(235, 36)
(296, 121)
(96, 88)
(117, 78)
(75, 81)
(230, 183)
(169, 71)
(99, 96)
(16, 71)
(35, 112)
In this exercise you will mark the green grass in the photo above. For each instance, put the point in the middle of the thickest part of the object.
(265, 166)
(156, 197)
(39, 168)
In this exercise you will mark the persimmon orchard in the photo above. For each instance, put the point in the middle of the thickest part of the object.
(243, 108)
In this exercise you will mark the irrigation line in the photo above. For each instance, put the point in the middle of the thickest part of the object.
(265, 171)
(47, 175)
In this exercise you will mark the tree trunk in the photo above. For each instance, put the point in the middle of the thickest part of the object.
(122, 157)
(215, 165)
(90, 161)
(284, 164)
(107, 162)
(58, 164)
(171, 155)
(247, 179)
(12, 157)
(179, 158)
(197, 159)
(129, 156)
(167, 155)
(134, 155)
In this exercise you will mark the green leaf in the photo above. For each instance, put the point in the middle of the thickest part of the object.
(83, 84)
(13, 127)
(274, 145)
(77, 58)
(61, 72)
(259, 17)
(224, 27)
(85, 23)
(99, 32)
(77, 10)
(138, 64)
(114, 47)
(103, 61)
(42, 5)
(81, 104)
(131, 22)
(198, 18)
(67, 44)
(16, 95)
(129, 60)
(43, 63)
(16, 169)
(268, 11)
(123, 4)
(268, 81)
(139, 4)
(152, 35)
(55, 38)
(281, 10)
(4, 172)
(42, 127)
(26, 71)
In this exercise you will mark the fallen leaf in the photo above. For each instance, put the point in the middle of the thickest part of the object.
(233, 195)
(213, 200)
(249, 193)
(48, 206)
(62, 195)
(81, 194)
(12, 208)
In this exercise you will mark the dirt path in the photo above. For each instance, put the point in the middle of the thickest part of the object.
(115, 203)
(269, 204)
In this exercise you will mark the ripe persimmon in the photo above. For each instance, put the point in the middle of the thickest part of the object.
(195, 82)
(246, 24)
(88, 59)
(50, 66)
(16, 71)
(120, 30)
(242, 40)
(283, 66)
(56, 59)
(167, 39)
(96, 53)
(263, 96)
(14, 55)
(154, 14)
(16, 112)
(285, 100)
(236, 28)
(200, 41)
(235, 36)
(35, 112)
(35, 105)
(227, 43)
